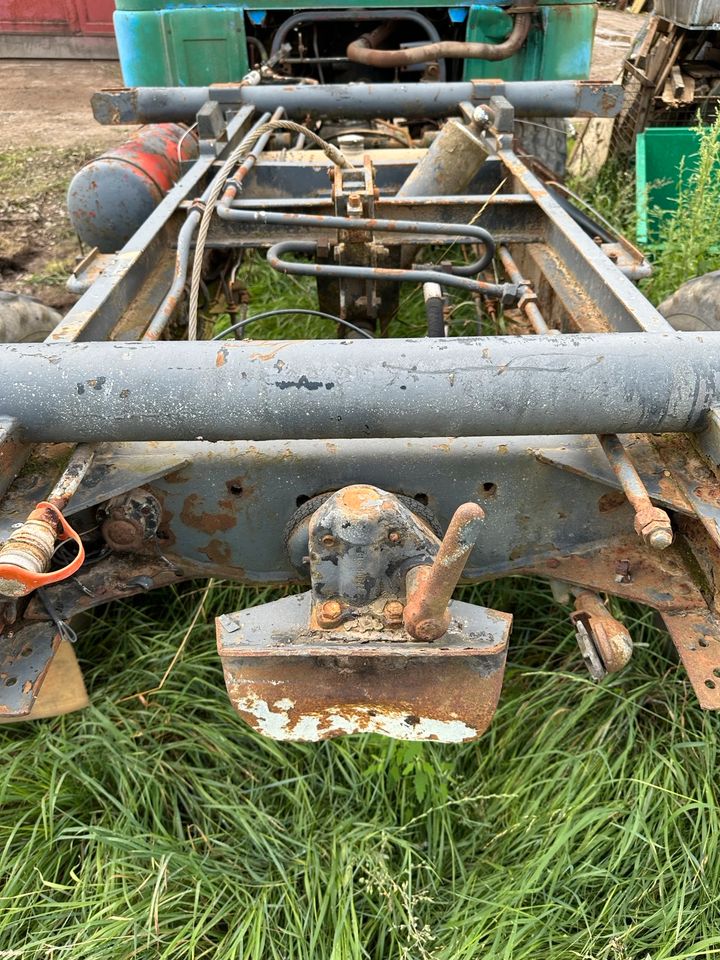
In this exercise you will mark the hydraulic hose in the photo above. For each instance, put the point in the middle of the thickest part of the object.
(365, 49)
(434, 309)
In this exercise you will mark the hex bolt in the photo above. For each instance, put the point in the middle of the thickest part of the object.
(651, 523)
(393, 613)
(330, 613)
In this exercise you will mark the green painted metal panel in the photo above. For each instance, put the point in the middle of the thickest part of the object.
(207, 45)
(181, 46)
(558, 48)
(665, 157)
(317, 4)
(187, 42)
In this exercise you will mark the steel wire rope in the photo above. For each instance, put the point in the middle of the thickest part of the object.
(243, 148)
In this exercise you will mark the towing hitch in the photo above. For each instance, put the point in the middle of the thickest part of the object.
(376, 645)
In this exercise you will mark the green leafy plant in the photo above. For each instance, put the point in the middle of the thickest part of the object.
(688, 235)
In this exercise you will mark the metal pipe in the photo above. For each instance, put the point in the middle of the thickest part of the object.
(284, 219)
(529, 307)
(507, 293)
(355, 15)
(448, 167)
(364, 49)
(474, 386)
(167, 308)
(473, 202)
(543, 98)
(72, 476)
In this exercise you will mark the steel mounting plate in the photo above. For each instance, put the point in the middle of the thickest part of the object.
(291, 683)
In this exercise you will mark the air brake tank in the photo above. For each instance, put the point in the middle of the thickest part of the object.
(113, 195)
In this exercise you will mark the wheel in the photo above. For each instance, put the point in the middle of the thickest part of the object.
(25, 319)
(545, 139)
(695, 306)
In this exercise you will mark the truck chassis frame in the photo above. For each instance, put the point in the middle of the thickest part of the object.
(575, 441)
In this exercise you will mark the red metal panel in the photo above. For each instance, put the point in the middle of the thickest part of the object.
(57, 17)
(95, 16)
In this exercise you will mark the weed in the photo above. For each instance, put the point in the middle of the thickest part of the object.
(688, 241)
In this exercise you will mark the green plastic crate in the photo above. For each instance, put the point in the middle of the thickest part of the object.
(662, 153)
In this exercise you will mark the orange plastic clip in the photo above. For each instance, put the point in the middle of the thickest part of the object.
(9, 571)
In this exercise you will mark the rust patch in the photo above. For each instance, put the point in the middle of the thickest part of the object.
(611, 501)
(193, 517)
(277, 346)
(177, 476)
(217, 551)
(660, 580)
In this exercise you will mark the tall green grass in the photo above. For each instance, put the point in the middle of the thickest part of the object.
(583, 825)
(688, 243)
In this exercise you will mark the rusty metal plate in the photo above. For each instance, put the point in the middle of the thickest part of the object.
(290, 683)
(584, 457)
(25, 656)
(696, 634)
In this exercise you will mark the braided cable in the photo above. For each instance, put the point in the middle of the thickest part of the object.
(242, 149)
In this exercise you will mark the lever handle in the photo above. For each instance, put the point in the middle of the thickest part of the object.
(430, 588)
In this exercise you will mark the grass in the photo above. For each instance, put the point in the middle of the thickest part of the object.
(37, 172)
(583, 826)
(688, 241)
(687, 244)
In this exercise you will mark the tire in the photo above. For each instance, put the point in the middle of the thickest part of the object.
(545, 139)
(695, 306)
(25, 319)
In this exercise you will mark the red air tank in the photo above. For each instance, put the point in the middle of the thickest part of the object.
(112, 196)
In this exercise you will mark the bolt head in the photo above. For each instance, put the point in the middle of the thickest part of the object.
(394, 536)
(393, 612)
(328, 540)
(330, 612)
(660, 539)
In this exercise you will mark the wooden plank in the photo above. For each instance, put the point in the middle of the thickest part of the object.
(688, 94)
(676, 81)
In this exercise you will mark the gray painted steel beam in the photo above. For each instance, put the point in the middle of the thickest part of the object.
(263, 390)
(546, 98)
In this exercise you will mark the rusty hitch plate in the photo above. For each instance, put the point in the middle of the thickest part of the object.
(292, 683)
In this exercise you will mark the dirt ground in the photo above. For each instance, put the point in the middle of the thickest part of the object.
(47, 131)
(613, 39)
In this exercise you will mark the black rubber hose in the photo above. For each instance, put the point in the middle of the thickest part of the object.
(435, 313)
(586, 223)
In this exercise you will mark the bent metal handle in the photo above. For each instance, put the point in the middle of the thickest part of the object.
(430, 588)
(26, 555)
